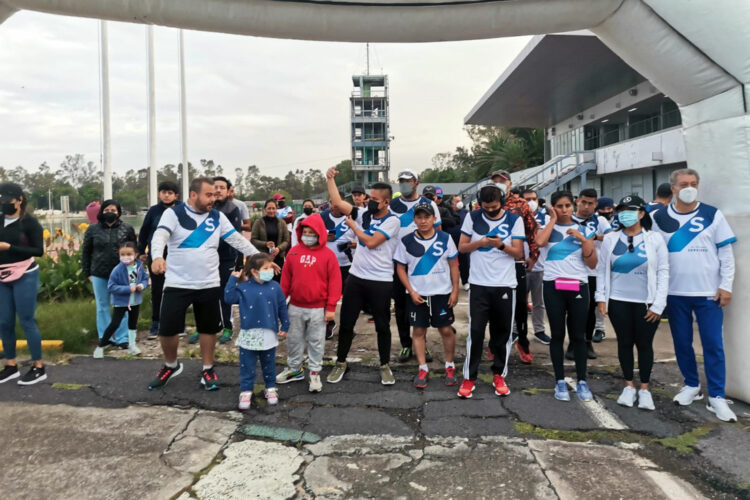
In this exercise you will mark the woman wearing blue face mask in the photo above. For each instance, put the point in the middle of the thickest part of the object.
(632, 286)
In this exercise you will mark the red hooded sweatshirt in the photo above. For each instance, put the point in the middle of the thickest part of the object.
(311, 277)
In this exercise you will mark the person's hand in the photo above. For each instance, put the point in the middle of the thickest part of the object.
(602, 306)
(416, 298)
(132, 288)
(282, 335)
(331, 173)
(274, 252)
(529, 263)
(652, 317)
(453, 300)
(331, 236)
(139, 288)
(552, 216)
(497, 242)
(330, 316)
(4, 246)
(236, 274)
(159, 266)
(485, 242)
(350, 222)
(276, 268)
(270, 244)
(575, 233)
(144, 258)
(723, 297)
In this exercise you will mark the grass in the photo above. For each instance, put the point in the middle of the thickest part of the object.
(69, 387)
(596, 436)
(684, 443)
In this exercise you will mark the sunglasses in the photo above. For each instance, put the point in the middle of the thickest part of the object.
(630, 244)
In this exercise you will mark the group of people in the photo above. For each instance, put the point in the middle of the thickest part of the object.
(580, 259)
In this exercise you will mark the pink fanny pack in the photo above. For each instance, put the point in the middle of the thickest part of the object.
(568, 284)
(14, 271)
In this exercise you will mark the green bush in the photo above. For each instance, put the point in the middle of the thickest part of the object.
(64, 279)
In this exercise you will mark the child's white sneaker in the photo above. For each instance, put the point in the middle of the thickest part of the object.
(272, 396)
(98, 352)
(245, 400)
(315, 383)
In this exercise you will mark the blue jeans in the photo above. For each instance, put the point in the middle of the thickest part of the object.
(710, 318)
(103, 316)
(19, 298)
(248, 363)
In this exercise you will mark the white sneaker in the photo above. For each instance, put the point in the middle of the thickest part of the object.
(645, 401)
(245, 400)
(720, 407)
(687, 395)
(133, 350)
(315, 384)
(466, 287)
(627, 397)
(98, 352)
(272, 396)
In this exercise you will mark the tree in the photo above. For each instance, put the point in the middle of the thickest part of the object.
(76, 171)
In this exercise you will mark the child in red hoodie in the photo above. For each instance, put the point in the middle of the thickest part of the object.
(312, 281)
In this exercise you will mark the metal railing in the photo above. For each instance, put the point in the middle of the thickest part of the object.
(370, 93)
(640, 128)
(370, 114)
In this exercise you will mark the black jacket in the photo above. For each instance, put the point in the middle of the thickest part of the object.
(229, 208)
(101, 245)
(150, 223)
(449, 218)
(25, 238)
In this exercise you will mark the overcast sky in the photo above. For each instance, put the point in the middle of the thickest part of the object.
(279, 104)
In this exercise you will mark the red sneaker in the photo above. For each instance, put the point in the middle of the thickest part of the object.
(501, 389)
(490, 356)
(420, 381)
(450, 377)
(467, 387)
(526, 357)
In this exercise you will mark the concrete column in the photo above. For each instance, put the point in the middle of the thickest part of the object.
(152, 166)
(106, 136)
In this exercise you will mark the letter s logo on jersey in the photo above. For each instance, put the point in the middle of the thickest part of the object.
(502, 231)
(438, 249)
(696, 224)
(210, 225)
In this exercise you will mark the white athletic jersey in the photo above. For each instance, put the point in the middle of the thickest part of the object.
(693, 240)
(491, 266)
(600, 226)
(427, 262)
(376, 264)
(192, 256)
(562, 255)
(542, 219)
(343, 234)
(629, 273)
(404, 210)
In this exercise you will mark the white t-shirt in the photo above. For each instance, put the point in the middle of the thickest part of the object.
(343, 235)
(629, 276)
(427, 262)
(491, 266)
(693, 240)
(562, 254)
(376, 264)
(192, 256)
(9, 220)
(244, 211)
(293, 230)
(404, 210)
(600, 226)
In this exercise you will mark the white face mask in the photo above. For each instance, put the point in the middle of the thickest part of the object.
(308, 240)
(688, 195)
(459, 205)
(533, 205)
(503, 187)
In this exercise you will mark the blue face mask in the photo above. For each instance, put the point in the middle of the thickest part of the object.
(266, 275)
(628, 217)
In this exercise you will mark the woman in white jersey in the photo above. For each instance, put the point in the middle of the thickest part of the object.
(568, 251)
(632, 287)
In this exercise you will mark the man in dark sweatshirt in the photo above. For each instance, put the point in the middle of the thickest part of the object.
(168, 194)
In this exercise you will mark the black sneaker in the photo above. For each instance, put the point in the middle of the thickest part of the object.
(404, 355)
(9, 373)
(598, 336)
(34, 375)
(590, 351)
(209, 380)
(515, 337)
(543, 338)
(165, 375)
(331, 328)
(154, 331)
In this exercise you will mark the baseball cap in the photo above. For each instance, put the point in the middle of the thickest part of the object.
(10, 191)
(438, 191)
(605, 202)
(278, 196)
(407, 174)
(501, 173)
(358, 188)
(424, 207)
(631, 201)
(429, 189)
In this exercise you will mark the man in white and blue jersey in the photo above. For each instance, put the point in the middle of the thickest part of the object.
(371, 274)
(701, 264)
(535, 274)
(192, 232)
(341, 241)
(494, 237)
(427, 265)
(586, 216)
(403, 207)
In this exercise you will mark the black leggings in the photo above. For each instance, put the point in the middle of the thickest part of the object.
(571, 309)
(402, 315)
(358, 292)
(117, 314)
(521, 313)
(157, 288)
(633, 330)
(591, 317)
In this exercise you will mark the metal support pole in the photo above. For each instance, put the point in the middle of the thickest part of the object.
(152, 168)
(106, 138)
(183, 121)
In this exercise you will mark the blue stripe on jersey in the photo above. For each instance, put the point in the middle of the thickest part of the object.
(202, 233)
(628, 261)
(726, 242)
(225, 236)
(563, 249)
(432, 255)
(681, 238)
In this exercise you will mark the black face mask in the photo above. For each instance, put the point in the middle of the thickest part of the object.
(373, 206)
(493, 213)
(307, 210)
(9, 208)
(109, 217)
(282, 204)
(607, 216)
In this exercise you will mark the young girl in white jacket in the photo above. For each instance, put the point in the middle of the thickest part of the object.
(632, 286)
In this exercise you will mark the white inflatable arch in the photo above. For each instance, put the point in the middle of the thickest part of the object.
(695, 51)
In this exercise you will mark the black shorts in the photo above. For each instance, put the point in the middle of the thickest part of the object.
(206, 309)
(433, 312)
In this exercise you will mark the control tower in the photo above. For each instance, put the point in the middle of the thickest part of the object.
(369, 128)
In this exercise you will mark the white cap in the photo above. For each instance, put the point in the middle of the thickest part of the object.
(407, 174)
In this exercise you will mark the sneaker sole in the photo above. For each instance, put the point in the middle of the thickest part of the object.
(502, 395)
(562, 398)
(585, 399)
(243, 409)
(212, 387)
(647, 408)
(10, 377)
(623, 403)
(470, 394)
(543, 342)
(423, 386)
(696, 398)
(293, 379)
(35, 381)
(177, 372)
(451, 383)
(315, 390)
(387, 382)
(336, 380)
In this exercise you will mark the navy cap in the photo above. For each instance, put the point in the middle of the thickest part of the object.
(424, 207)
(605, 202)
(358, 188)
(429, 189)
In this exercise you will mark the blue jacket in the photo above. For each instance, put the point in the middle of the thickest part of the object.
(261, 305)
(119, 284)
